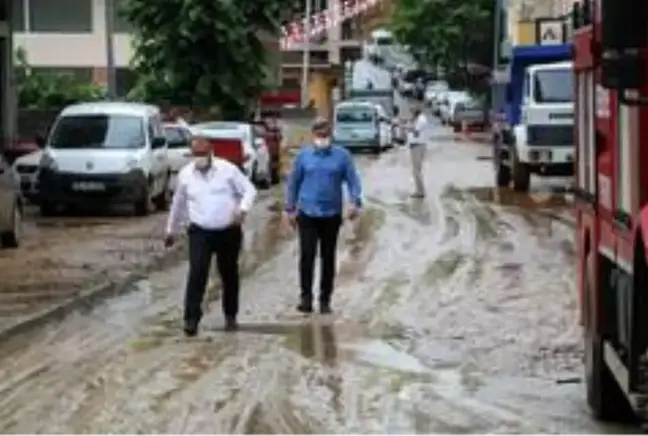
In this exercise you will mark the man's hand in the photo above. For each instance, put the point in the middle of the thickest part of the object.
(169, 241)
(353, 212)
(238, 217)
(290, 218)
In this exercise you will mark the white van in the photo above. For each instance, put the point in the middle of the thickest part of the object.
(362, 125)
(105, 152)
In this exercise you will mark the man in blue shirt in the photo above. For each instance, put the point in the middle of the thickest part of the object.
(314, 204)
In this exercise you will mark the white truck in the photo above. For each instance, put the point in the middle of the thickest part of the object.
(542, 140)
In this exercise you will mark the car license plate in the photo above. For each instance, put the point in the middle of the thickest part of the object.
(88, 186)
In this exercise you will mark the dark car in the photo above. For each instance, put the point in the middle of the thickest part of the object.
(11, 206)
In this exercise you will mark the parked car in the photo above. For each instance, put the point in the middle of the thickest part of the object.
(362, 125)
(470, 112)
(105, 152)
(449, 101)
(11, 206)
(399, 131)
(178, 136)
(28, 169)
(239, 143)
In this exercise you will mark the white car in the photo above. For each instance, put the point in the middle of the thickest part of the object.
(178, 137)
(450, 99)
(105, 152)
(254, 154)
(27, 167)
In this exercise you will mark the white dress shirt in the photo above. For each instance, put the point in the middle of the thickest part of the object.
(210, 199)
(419, 133)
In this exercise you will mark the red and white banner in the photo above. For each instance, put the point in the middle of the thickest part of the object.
(321, 22)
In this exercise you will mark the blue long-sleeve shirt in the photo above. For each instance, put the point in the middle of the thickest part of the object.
(315, 183)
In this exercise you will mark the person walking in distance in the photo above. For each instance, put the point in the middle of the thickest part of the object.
(314, 204)
(417, 140)
(215, 196)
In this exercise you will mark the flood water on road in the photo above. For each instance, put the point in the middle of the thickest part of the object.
(456, 314)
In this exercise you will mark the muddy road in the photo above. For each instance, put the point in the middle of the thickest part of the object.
(455, 314)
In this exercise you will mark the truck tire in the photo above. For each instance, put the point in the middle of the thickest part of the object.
(604, 396)
(502, 174)
(143, 205)
(521, 175)
(11, 238)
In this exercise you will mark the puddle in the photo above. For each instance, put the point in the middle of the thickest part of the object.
(540, 198)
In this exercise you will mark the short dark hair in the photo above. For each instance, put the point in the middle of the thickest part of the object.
(320, 123)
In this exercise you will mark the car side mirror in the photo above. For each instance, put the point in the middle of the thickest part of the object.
(158, 142)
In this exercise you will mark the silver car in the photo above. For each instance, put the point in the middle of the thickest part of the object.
(11, 206)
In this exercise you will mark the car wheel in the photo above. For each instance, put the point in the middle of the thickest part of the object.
(48, 209)
(163, 200)
(11, 239)
(143, 204)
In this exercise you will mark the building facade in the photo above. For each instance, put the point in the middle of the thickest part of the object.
(70, 36)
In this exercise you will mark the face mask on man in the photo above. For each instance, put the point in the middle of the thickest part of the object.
(322, 142)
(202, 162)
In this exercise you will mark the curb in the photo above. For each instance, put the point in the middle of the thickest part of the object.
(86, 300)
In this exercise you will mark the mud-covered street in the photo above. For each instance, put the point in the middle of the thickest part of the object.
(455, 314)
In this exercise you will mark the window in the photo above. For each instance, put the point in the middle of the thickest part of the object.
(582, 126)
(124, 81)
(591, 132)
(98, 131)
(625, 167)
(527, 86)
(120, 22)
(555, 86)
(65, 16)
(354, 115)
(18, 15)
(176, 137)
(80, 75)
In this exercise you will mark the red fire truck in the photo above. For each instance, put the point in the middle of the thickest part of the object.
(611, 197)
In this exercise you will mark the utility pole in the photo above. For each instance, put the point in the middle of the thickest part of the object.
(308, 11)
(109, 21)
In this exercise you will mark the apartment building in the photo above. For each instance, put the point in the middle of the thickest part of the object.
(69, 35)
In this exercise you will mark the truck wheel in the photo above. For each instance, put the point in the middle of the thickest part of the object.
(48, 209)
(604, 396)
(11, 239)
(502, 174)
(521, 175)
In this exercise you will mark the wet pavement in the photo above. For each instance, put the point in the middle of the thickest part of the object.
(454, 314)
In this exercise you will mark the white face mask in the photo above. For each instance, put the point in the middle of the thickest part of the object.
(322, 142)
(202, 162)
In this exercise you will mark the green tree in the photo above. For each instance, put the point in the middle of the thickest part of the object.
(203, 53)
(446, 32)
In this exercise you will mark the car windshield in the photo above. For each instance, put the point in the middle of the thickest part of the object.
(385, 40)
(175, 137)
(98, 131)
(555, 86)
(354, 115)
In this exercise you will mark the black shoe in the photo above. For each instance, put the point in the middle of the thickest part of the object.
(191, 328)
(230, 324)
(325, 308)
(305, 306)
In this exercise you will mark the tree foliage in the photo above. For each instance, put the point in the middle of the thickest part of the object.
(203, 52)
(46, 89)
(446, 32)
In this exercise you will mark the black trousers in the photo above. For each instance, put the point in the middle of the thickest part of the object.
(203, 244)
(317, 232)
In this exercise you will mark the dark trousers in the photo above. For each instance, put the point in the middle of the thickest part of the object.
(203, 244)
(317, 232)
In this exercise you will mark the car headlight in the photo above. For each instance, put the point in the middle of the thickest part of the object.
(48, 162)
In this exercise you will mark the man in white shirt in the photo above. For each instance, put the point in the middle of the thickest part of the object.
(214, 196)
(417, 139)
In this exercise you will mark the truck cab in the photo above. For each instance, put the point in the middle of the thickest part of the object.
(537, 137)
